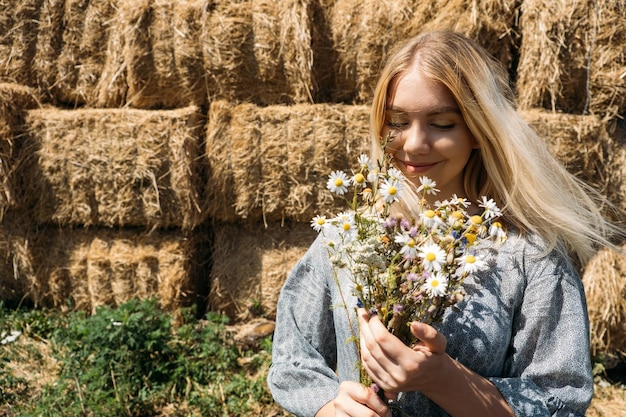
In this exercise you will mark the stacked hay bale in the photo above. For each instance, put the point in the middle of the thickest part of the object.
(110, 204)
(183, 147)
(572, 63)
(154, 54)
(268, 168)
(572, 57)
(15, 100)
(364, 31)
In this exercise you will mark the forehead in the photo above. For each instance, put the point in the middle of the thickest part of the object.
(412, 91)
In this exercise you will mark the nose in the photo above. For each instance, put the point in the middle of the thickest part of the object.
(416, 140)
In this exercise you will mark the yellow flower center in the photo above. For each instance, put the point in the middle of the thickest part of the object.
(497, 224)
(321, 222)
(470, 259)
(359, 178)
(434, 283)
(411, 243)
(392, 190)
(338, 182)
(476, 219)
(458, 214)
(471, 238)
(429, 213)
(346, 227)
(430, 257)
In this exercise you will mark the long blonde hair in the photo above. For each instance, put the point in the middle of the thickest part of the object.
(512, 164)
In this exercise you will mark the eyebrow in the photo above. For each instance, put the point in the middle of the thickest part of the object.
(433, 111)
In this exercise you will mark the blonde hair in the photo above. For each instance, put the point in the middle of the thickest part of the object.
(512, 164)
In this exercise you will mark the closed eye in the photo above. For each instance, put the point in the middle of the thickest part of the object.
(395, 125)
(443, 127)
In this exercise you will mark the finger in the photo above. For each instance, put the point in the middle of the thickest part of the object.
(381, 342)
(429, 337)
(355, 399)
(375, 342)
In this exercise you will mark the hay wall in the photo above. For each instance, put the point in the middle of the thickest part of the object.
(572, 56)
(152, 54)
(605, 286)
(265, 99)
(271, 163)
(364, 31)
(15, 100)
(250, 264)
(115, 167)
(97, 266)
(585, 148)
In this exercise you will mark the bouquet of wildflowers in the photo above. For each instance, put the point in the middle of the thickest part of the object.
(404, 269)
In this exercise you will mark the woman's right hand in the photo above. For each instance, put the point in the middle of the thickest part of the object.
(355, 400)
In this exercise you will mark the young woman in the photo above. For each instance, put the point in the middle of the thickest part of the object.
(520, 344)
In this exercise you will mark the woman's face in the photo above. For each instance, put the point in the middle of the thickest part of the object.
(431, 137)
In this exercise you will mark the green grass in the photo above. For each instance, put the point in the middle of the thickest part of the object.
(133, 360)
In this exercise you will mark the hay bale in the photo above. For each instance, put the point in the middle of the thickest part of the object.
(86, 268)
(116, 167)
(164, 55)
(250, 265)
(295, 41)
(187, 20)
(71, 54)
(608, 400)
(259, 52)
(272, 163)
(365, 31)
(583, 145)
(151, 71)
(72, 74)
(15, 100)
(572, 56)
(604, 280)
(18, 39)
(48, 46)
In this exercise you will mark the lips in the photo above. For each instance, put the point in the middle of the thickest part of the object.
(416, 168)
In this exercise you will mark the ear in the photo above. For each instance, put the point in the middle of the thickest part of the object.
(475, 144)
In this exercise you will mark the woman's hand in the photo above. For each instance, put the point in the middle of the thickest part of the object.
(394, 366)
(356, 400)
(426, 368)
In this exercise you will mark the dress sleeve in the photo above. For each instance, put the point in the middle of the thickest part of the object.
(549, 360)
(302, 376)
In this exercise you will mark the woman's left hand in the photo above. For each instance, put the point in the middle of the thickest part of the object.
(391, 364)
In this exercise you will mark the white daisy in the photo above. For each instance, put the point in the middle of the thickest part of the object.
(497, 231)
(338, 182)
(491, 209)
(433, 257)
(394, 174)
(436, 285)
(459, 201)
(318, 223)
(345, 224)
(456, 219)
(430, 219)
(427, 185)
(358, 179)
(408, 245)
(391, 191)
(365, 163)
(471, 263)
(373, 175)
